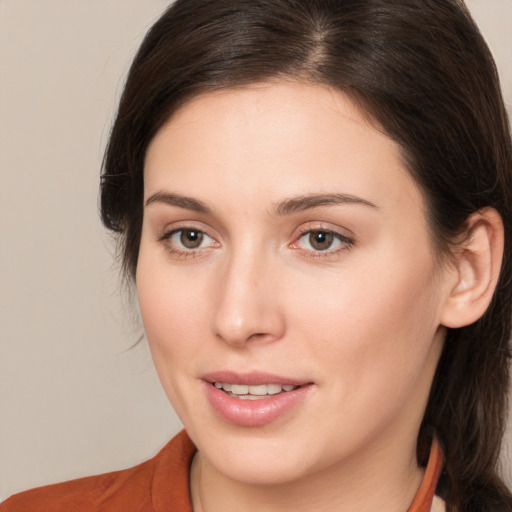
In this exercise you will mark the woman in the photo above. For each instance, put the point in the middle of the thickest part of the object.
(313, 198)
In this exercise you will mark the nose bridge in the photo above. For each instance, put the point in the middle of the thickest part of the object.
(246, 306)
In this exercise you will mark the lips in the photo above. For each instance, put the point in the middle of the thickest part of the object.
(253, 399)
(254, 392)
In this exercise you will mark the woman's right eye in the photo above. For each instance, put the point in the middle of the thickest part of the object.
(187, 240)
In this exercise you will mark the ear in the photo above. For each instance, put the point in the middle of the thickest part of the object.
(476, 269)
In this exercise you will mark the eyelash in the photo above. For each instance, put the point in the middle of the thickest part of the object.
(346, 243)
(183, 253)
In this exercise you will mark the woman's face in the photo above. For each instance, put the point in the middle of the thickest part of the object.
(286, 282)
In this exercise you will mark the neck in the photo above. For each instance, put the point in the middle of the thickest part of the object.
(385, 478)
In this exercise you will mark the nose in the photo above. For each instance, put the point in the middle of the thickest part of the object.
(246, 301)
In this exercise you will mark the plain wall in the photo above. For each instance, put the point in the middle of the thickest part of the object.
(74, 399)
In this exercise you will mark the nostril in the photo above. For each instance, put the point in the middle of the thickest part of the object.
(257, 335)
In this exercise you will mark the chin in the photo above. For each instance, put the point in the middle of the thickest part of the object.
(260, 467)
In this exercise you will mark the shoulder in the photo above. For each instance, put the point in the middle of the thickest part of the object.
(89, 493)
(157, 484)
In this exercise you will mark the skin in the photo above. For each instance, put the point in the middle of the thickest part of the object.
(361, 320)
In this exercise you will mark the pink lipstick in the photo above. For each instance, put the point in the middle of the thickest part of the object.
(253, 399)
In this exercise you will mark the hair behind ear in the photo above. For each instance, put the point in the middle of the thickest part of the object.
(469, 412)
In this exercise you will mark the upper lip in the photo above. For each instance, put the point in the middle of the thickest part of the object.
(254, 378)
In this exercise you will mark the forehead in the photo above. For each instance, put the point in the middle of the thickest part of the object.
(278, 106)
(277, 139)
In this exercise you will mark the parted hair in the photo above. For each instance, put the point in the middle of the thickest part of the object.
(421, 71)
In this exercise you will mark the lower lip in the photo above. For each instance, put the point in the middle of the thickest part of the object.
(254, 413)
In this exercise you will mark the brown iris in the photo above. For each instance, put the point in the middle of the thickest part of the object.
(321, 240)
(191, 238)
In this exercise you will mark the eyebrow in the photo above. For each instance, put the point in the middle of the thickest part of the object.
(282, 208)
(307, 202)
(188, 203)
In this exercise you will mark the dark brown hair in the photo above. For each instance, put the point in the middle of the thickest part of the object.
(422, 72)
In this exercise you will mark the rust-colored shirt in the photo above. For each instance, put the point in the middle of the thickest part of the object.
(158, 485)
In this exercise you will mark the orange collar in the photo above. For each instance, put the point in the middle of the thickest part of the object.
(422, 502)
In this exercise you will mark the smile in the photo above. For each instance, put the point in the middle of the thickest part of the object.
(256, 392)
(254, 399)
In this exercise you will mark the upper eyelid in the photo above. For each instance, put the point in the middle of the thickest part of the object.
(173, 227)
(171, 232)
(341, 231)
(340, 236)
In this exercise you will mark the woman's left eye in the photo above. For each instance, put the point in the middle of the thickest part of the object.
(188, 239)
(321, 240)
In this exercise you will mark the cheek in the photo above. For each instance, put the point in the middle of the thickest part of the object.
(172, 310)
(375, 345)
(375, 325)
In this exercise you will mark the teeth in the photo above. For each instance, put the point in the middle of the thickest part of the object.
(239, 389)
(246, 392)
(273, 389)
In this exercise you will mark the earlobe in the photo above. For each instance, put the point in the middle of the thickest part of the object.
(476, 270)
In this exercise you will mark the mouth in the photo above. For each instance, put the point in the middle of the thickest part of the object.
(253, 392)
(253, 399)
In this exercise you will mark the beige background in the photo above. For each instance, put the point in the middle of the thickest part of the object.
(73, 399)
